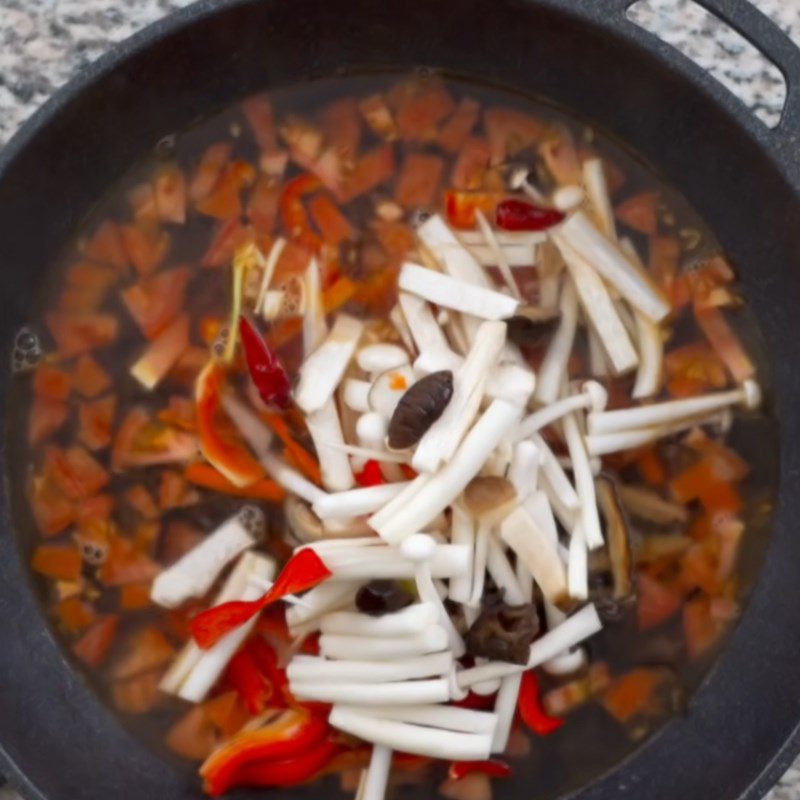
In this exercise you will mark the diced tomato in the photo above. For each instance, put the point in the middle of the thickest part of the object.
(162, 353)
(145, 650)
(694, 369)
(260, 116)
(142, 442)
(700, 568)
(457, 129)
(471, 165)
(75, 614)
(509, 131)
(188, 366)
(206, 476)
(704, 481)
(134, 597)
(89, 378)
(126, 564)
(105, 246)
(420, 110)
(46, 417)
(62, 562)
(155, 302)
(374, 168)
(727, 464)
(419, 180)
(228, 238)
(378, 116)
(656, 603)
(95, 509)
(561, 159)
(75, 334)
(227, 713)
(146, 246)
(192, 736)
(174, 491)
(140, 499)
(262, 207)
(634, 694)
(80, 300)
(225, 199)
(396, 238)
(94, 646)
(137, 695)
(87, 275)
(702, 631)
(710, 284)
(52, 510)
(652, 467)
(726, 343)
(341, 124)
(640, 212)
(461, 207)
(179, 539)
(179, 413)
(331, 223)
(77, 474)
(169, 187)
(96, 419)
(213, 162)
(665, 258)
(143, 203)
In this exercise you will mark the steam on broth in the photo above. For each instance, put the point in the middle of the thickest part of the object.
(396, 429)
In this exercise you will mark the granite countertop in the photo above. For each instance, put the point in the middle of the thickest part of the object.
(43, 43)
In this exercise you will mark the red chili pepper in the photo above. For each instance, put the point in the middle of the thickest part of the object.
(246, 675)
(519, 215)
(267, 661)
(291, 772)
(288, 735)
(267, 372)
(531, 709)
(303, 571)
(371, 475)
(476, 701)
(494, 768)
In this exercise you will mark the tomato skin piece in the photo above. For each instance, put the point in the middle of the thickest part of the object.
(52, 510)
(75, 472)
(471, 165)
(96, 419)
(75, 334)
(331, 223)
(213, 162)
(155, 302)
(95, 644)
(520, 215)
(461, 207)
(656, 603)
(46, 418)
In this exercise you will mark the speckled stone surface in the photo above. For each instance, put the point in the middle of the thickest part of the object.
(43, 43)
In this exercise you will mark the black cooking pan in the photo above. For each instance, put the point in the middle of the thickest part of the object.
(57, 740)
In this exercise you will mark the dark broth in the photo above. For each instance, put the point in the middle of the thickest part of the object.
(592, 741)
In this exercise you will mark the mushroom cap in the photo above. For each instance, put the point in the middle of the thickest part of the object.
(597, 394)
(752, 395)
(517, 177)
(565, 198)
(489, 497)
(419, 547)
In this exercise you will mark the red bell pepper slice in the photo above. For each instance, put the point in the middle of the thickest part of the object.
(245, 675)
(267, 660)
(494, 768)
(302, 572)
(520, 215)
(531, 709)
(266, 371)
(371, 475)
(232, 459)
(288, 736)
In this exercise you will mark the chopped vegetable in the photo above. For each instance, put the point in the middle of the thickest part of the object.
(266, 371)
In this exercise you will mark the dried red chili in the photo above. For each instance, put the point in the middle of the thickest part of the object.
(531, 709)
(519, 215)
(266, 371)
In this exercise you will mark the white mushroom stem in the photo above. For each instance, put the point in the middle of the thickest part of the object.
(598, 361)
(353, 503)
(195, 572)
(326, 430)
(457, 261)
(450, 718)
(195, 671)
(257, 435)
(573, 631)
(377, 358)
(519, 181)
(443, 488)
(532, 545)
(549, 266)
(377, 775)
(408, 738)
(448, 561)
(511, 382)
(291, 479)
(444, 436)
(482, 536)
(567, 198)
(503, 238)
(315, 329)
(455, 294)
(570, 660)
(321, 600)
(578, 569)
(594, 179)
(554, 366)
(435, 690)
(428, 336)
(393, 507)
(584, 482)
(600, 310)
(397, 318)
(269, 271)
(413, 619)
(492, 242)
(592, 395)
(555, 478)
(582, 235)
(515, 255)
(502, 573)
(322, 371)
(505, 707)
(432, 640)
(356, 394)
(670, 411)
(524, 470)
(462, 533)
(308, 669)
(367, 453)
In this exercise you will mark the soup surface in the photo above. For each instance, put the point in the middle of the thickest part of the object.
(378, 283)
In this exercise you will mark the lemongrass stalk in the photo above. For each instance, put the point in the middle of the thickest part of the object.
(448, 561)
(482, 535)
(555, 477)
(592, 395)
(503, 238)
